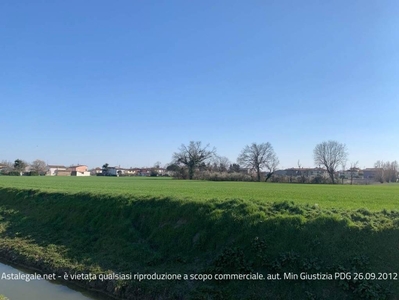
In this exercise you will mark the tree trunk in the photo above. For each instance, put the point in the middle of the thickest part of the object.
(332, 178)
(190, 172)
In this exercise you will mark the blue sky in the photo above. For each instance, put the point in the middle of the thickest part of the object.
(127, 82)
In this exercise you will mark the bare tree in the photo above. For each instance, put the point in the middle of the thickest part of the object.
(390, 171)
(353, 170)
(386, 171)
(7, 166)
(379, 171)
(330, 154)
(38, 166)
(157, 165)
(343, 172)
(258, 156)
(394, 168)
(301, 172)
(271, 166)
(192, 156)
(221, 163)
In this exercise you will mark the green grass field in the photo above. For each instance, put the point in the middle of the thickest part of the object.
(371, 197)
(160, 225)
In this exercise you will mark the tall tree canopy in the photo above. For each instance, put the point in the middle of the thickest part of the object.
(20, 165)
(39, 166)
(330, 154)
(257, 157)
(192, 156)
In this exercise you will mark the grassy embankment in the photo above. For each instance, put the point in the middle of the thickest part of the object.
(152, 225)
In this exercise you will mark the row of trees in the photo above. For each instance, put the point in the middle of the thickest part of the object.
(387, 171)
(19, 166)
(194, 157)
(254, 157)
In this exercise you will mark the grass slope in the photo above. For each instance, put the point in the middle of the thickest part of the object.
(124, 231)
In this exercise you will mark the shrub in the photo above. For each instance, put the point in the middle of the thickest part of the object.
(32, 173)
(319, 179)
(222, 176)
(14, 173)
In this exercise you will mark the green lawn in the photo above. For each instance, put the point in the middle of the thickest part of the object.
(371, 197)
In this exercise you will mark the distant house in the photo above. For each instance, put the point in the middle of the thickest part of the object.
(79, 170)
(302, 172)
(295, 172)
(372, 173)
(53, 170)
(115, 171)
(144, 172)
(112, 171)
(280, 173)
(160, 171)
(292, 172)
(351, 173)
(66, 172)
(314, 172)
(118, 171)
(96, 171)
(131, 171)
(134, 171)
